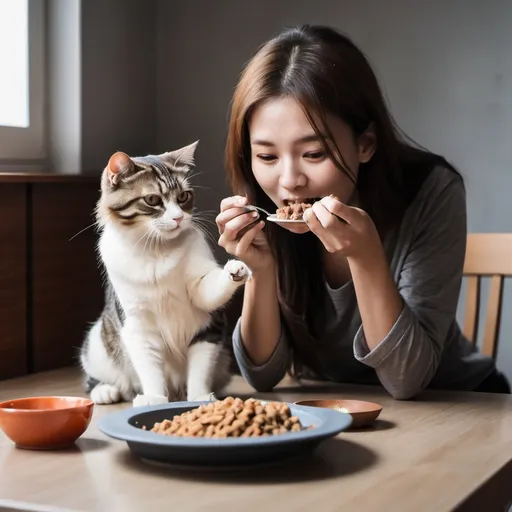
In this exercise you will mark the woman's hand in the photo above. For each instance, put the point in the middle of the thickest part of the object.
(344, 229)
(241, 234)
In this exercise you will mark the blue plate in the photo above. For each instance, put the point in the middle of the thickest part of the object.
(231, 452)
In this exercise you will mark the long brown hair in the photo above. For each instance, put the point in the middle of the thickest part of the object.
(324, 72)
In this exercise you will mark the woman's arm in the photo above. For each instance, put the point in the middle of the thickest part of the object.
(405, 326)
(260, 346)
(260, 321)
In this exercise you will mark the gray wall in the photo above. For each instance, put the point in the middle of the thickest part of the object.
(101, 81)
(445, 66)
(118, 79)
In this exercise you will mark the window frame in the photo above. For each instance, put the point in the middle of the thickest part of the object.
(27, 147)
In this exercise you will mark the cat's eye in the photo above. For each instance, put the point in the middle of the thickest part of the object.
(153, 200)
(183, 197)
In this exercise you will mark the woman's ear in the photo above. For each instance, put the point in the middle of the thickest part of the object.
(367, 143)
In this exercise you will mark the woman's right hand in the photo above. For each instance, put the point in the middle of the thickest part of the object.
(239, 238)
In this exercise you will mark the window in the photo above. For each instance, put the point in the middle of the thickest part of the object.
(14, 63)
(22, 104)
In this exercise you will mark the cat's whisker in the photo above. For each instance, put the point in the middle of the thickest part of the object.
(199, 222)
(206, 232)
(145, 234)
(155, 242)
(205, 213)
(146, 242)
(207, 222)
(213, 213)
(192, 176)
(204, 219)
(208, 217)
(82, 230)
(208, 236)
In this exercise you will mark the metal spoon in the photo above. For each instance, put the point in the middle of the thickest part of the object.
(252, 208)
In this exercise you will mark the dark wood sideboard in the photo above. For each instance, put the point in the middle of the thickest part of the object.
(50, 286)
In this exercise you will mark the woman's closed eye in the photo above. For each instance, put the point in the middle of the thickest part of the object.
(266, 157)
(315, 155)
(311, 155)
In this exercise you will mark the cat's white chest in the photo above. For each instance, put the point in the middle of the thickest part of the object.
(154, 287)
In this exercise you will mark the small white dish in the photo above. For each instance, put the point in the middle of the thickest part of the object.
(273, 218)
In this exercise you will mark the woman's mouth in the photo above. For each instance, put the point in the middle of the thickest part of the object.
(305, 200)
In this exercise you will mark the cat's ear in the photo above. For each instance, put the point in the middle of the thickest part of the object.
(118, 164)
(180, 159)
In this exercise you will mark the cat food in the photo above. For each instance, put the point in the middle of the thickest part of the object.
(232, 417)
(295, 211)
(292, 211)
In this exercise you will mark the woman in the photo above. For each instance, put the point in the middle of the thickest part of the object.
(366, 290)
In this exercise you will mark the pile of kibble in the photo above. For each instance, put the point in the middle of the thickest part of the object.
(232, 417)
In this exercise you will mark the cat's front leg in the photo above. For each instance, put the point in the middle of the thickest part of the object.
(207, 371)
(211, 291)
(144, 346)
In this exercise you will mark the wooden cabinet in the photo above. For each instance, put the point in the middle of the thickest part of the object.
(50, 284)
(13, 286)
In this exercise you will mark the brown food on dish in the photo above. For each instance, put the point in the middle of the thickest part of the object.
(295, 211)
(231, 417)
(292, 211)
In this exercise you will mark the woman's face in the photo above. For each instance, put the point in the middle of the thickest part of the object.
(289, 161)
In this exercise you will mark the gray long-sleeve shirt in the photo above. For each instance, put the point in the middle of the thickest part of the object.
(425, 347)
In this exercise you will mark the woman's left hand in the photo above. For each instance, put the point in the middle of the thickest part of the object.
(341, 228)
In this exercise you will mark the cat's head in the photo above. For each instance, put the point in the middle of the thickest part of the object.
(148, 194)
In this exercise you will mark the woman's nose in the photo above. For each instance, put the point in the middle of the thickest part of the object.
(291, 175)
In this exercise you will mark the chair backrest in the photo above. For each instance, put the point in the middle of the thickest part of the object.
(487, 255)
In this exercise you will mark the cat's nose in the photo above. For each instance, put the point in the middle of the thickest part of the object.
(178, 219)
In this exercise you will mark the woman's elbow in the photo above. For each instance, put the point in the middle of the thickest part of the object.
(405, 392)
(262, 382)
(404, 389)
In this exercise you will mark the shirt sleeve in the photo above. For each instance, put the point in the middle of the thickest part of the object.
(429, 283)
(266, 376)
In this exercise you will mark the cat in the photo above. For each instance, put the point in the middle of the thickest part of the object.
(162, 335)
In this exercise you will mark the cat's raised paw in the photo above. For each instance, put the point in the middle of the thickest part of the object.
(104, 394)
(238, 270)
(141, 400)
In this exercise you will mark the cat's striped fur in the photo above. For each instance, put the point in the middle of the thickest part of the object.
(162, 334)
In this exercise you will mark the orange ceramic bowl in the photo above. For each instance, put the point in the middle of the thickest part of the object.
(45, 422)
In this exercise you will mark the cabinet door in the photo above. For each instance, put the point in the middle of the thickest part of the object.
(13, 284)
(66, 280)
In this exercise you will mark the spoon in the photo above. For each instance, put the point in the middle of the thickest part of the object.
(252, 208)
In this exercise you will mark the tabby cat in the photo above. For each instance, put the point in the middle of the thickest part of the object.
(162, 335)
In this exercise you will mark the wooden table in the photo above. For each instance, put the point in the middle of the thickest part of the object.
(445, 451)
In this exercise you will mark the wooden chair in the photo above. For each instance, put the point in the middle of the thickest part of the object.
(487, 255)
